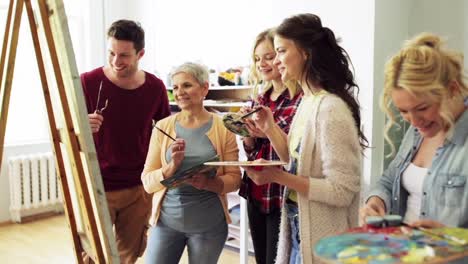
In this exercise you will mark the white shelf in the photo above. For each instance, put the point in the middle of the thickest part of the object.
(214, 103)
(233, 199)
(223, 98)
(235, 232)
(234, 243)
(238, 232)
(231, 87)
(227, 87)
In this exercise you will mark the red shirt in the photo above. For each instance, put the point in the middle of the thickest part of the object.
(123, 139)
(269, 197)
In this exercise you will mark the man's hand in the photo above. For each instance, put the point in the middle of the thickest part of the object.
(95, 121)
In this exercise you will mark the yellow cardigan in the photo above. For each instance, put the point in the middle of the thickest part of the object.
(224, 143)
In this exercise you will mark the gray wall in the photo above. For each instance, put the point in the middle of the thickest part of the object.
(391, 28)
(397, 21)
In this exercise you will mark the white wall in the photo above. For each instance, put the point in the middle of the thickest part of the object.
(27, 120)
(25, 124)
(219, 34)
(93, 36)
(465, 31)
(142, 11)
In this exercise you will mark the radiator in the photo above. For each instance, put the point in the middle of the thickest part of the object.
(34, 186)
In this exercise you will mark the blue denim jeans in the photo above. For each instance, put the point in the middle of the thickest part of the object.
(293, 213)
(166, 245)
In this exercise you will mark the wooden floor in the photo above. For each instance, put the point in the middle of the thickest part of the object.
(48, 241)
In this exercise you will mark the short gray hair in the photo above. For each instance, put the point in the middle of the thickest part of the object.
(198, 71)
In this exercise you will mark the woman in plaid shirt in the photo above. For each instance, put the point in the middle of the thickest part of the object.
(264, 202)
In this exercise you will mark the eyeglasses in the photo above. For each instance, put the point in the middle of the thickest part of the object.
(99, 111)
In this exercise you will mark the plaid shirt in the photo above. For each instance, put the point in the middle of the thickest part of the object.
(269, 197)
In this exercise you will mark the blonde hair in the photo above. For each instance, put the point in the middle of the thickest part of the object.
(425, 69)
(254, 78)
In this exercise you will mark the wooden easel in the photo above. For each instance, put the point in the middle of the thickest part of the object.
(73, 143)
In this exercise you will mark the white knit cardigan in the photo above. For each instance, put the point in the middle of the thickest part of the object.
(330, 156)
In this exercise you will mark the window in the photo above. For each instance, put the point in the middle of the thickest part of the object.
(27, 117)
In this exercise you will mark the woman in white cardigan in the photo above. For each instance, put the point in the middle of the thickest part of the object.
(324, 144)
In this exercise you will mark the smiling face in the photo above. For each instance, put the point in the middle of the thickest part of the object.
(264, 57)
(188, 92)
(419, 112)
(289, 59)
(123, 58)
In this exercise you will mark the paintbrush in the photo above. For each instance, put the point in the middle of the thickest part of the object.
(165, 133)
(448, 237)
(249, 113)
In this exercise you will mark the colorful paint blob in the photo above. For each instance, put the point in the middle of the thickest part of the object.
(390, 245)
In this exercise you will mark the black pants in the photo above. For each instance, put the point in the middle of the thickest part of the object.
(264, 229)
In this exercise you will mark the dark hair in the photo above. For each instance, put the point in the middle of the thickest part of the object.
(128, 30)
(328, 64)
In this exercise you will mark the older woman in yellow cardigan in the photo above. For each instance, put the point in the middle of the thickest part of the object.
(195, 213)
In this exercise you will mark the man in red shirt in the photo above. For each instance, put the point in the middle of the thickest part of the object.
(122, 102)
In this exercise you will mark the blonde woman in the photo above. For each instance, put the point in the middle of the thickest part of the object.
(264, 201)
(426, 181)
(192, 215)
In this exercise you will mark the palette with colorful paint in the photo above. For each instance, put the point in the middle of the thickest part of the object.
(392, 245)
(236, 124)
